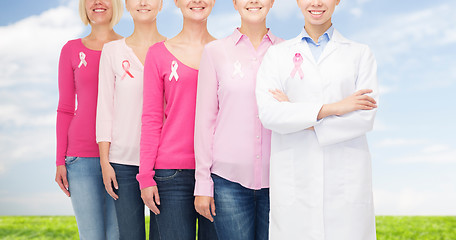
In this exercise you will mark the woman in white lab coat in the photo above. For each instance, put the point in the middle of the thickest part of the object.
(317, 93)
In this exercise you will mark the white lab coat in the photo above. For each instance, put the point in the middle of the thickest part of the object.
(321, 183)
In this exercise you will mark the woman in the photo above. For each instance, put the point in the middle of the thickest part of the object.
(321, 184)
(78, 163)
(231, 146)
(166, 173)
(119, 116)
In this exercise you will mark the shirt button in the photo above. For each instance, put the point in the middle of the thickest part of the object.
(254, 59)
(257, 156)
(258, 137)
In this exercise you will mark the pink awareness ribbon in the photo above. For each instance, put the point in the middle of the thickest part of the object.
(126, 68)
(297, 60)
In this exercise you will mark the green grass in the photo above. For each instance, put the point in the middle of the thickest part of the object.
(388, 228)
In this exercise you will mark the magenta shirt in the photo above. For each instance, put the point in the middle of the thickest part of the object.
(78, 76)
(230, 140)
(168, 115)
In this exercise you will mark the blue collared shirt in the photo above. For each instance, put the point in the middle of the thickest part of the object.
(317, 48)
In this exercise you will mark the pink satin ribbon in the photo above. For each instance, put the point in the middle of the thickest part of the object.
(126, 68)
(297, 60)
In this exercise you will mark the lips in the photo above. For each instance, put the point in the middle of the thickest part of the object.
(254, 9)
(197, 8)
(316, 12)
(143, 10)
(99, 10)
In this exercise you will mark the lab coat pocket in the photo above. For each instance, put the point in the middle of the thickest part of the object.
(358, 176)
(282, 181)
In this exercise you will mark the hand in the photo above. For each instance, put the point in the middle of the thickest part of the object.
(61, 179)
(109, 180)
(356, 101)
(205, 206)
(279, 95)
(151, 198)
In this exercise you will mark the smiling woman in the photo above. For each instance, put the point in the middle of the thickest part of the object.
(167, 162)
(78, 164)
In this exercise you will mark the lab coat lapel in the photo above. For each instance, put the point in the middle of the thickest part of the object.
(303, 48)
(336, 39)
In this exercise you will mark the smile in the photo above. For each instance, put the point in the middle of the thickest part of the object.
(197, 8)
(314, 12)
(143, 10)
(254, 9)
(99, 10)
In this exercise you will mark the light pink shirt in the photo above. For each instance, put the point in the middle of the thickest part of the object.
(120, 96)
(168, 118)
(230, 140)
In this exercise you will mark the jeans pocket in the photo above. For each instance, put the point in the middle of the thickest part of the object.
(71, 160)
(165, 174)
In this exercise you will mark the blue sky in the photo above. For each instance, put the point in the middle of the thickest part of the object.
(413, 143)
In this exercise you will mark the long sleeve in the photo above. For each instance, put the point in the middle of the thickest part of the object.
(281, 117)
(152, 120)
(335, 129)
(105, 105)
(66, 106)
(206, 116)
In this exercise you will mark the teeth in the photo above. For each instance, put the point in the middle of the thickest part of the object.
(254, 9)
(99, 10)
(143, 10)
(199, 8)
(316, 13)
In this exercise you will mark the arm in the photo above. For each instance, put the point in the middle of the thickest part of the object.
(338, 128)
(152, 123)
(282, 117)
(65, 113)
(105, 109)
(206, 115)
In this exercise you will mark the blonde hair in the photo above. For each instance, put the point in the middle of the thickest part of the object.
(117, 11)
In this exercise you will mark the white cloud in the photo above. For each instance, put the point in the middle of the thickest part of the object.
(442, 156)
(28, 89)
(400, 142)
(402, 33)
(31, 50)
(411, 201)
(53, 203)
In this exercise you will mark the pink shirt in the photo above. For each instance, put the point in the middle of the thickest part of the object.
(120, 96)
(168, 117)
(229, 138)
(78, 75)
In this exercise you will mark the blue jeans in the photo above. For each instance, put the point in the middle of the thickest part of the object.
(177, 218)
(93, 207)
(130, 206)
(241, 213)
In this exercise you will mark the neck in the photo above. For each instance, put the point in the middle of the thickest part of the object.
(255, 32)
(145, 34)
(102, 33)
(195, 32)
(315, 31)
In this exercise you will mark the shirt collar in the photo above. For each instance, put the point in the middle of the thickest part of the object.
(236, 36)
(328, 33)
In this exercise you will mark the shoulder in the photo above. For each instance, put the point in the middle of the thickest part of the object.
(113, 47)
(354, 45)
(72, 44)
(217, 45)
